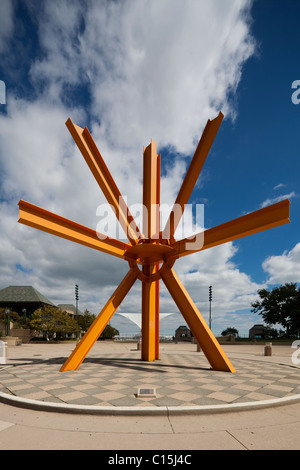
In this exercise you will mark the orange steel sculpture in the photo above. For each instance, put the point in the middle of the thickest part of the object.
(153, 250)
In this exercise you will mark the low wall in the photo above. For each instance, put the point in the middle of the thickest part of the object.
(24, 334)
(226, 339)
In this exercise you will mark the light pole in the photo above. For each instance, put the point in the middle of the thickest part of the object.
(24, 315)
(76, 302)
(210, 300)
(7, 311)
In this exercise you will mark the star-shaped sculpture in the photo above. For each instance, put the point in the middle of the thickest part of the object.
(152, 253)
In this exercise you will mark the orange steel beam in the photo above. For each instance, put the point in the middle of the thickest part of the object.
(157, 265)
(151, 248)
(192, 174)
(149, 326)
(255, 222)
(150, 229)
(204, 336)
(46, 221)
(93, 158)
(150, 192)
(95, 330)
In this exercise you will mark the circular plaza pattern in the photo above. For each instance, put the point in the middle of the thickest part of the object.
(110, 378)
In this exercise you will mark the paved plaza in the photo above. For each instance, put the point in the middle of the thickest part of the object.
(97, 407)
(112, 374)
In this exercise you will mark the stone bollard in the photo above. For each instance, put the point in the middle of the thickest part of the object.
(3, 346)
(198, 348)
(268, 349)
(138, 346)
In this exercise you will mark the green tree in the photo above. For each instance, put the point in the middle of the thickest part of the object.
(14, 316)
(53, 321)
(85, 320)
(230, 331)
(280, 306)
(109, 332)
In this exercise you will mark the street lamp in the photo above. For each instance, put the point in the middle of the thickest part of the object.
(24, 315)
(210, 300)
(7, 311)
(76, 301)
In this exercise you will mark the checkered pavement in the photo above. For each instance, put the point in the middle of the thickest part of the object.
(178, 379)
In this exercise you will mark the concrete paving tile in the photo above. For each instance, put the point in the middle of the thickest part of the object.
(223, 396)
(289, 380)
(109, 396)
(20, 387)
(180, 386)
(55, 389)
(204, 380)
(258, 396)
(4, 425)
(126, 401)
(117, 386)
(11, 379)
(212, 386)
(277, 437)
(92, 380)
(84, 387)
(166, 401)
(260, 382)
(39, 381)
(37, 395)
(119, 379)
(272, 391)
(206, 401)
(184, 396)
(70, 396)
(245, 387)
(66, 380)
(164, 391)
(176, 380)
(280, 388)
(86, 400)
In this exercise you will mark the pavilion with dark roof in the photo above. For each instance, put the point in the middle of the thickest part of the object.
(18, 298)
(70, 309)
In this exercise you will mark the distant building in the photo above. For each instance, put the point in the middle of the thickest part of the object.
(23, 299)
(183, 334)
(69, 308)
(26, 300)
(259, 332)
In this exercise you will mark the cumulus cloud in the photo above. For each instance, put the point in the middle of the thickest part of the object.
(147, 70)
(155, 69)
(283, 268)
(273, 200)
(278, 186)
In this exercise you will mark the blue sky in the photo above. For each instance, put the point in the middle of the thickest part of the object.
(257, 157)
(101, 64)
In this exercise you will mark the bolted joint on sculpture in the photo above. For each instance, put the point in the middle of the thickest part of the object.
(152, 253)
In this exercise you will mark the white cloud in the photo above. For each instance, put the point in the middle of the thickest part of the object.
(278, 186)
(153, 70)
(273, 200)
(283, 268)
